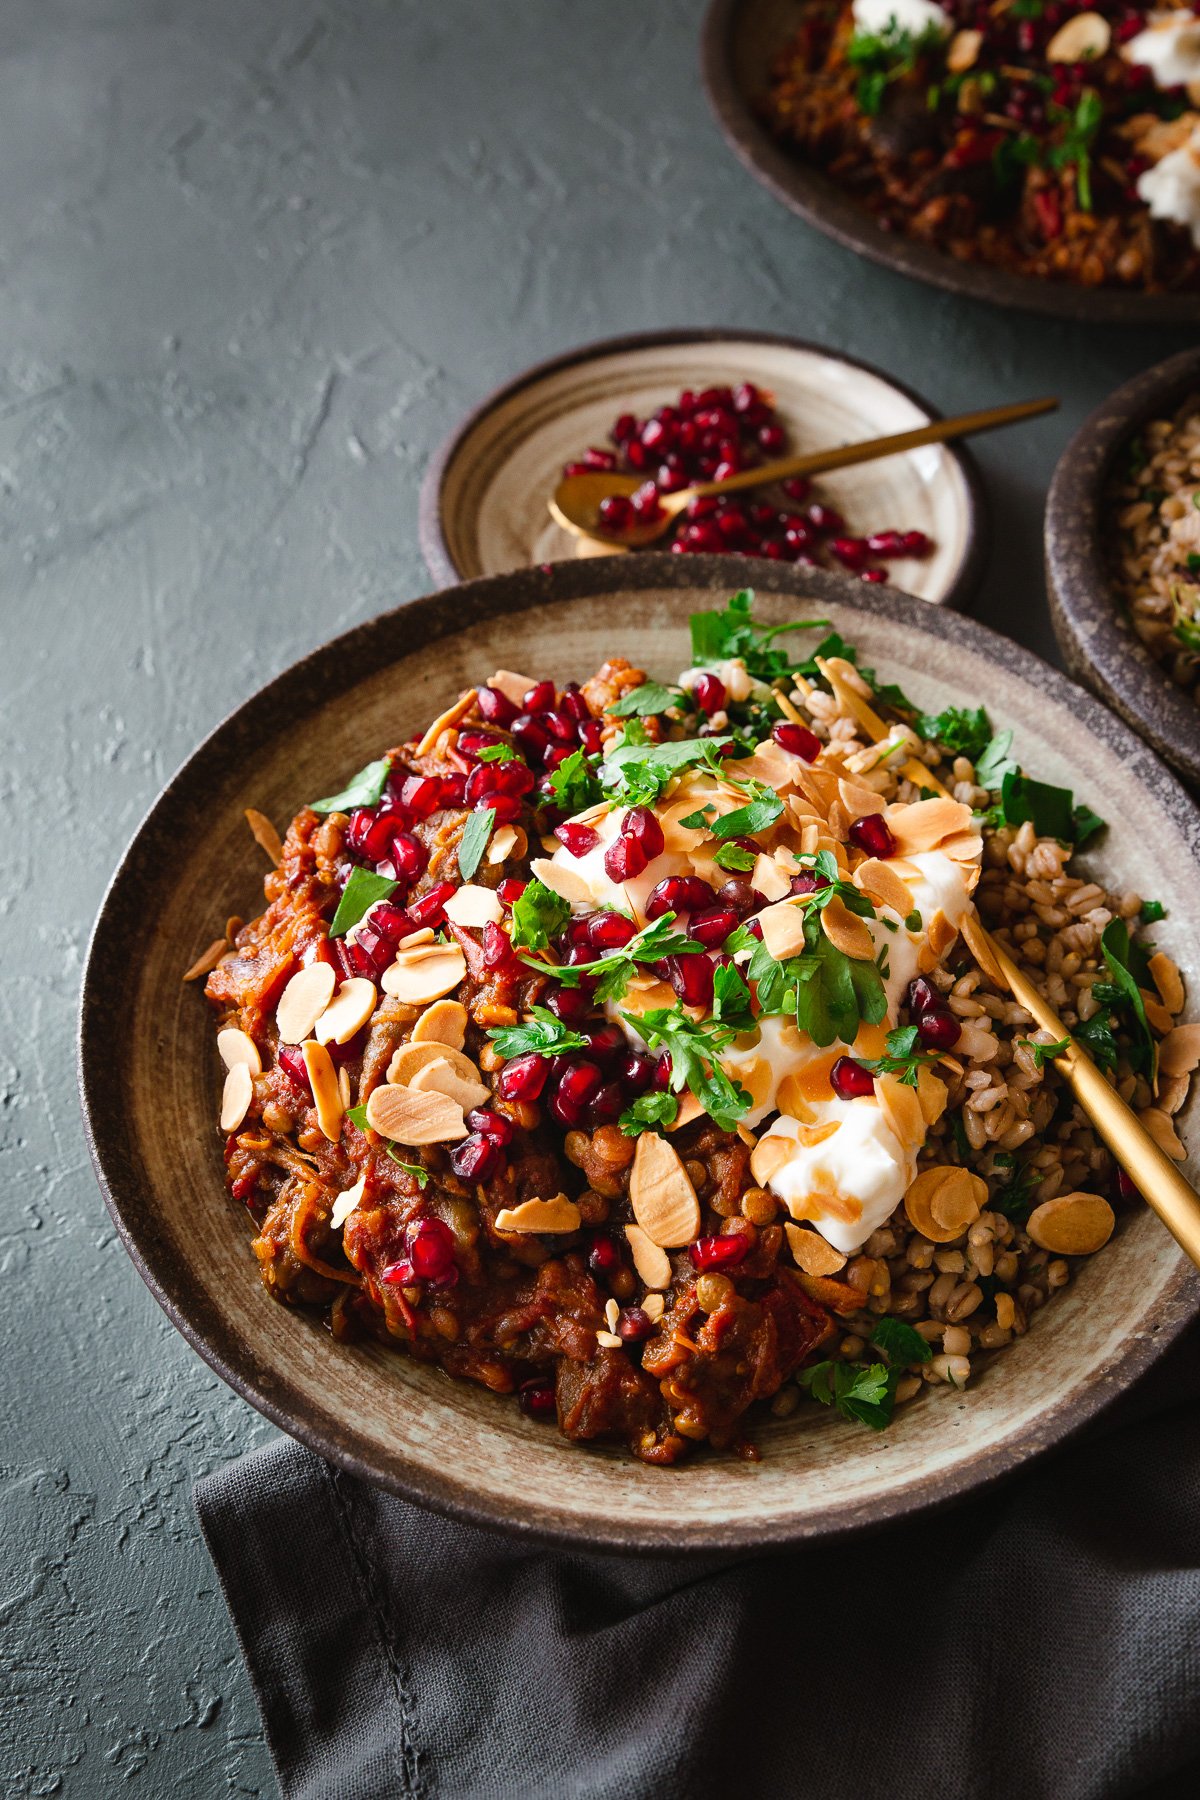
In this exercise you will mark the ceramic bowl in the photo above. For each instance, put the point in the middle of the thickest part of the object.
(150, 1077)
(483, 501)
(740, 39)
(1093, 631)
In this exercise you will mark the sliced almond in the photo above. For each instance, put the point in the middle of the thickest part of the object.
(608, 1340)
(445, 721)
(506, 841)
(1082, 39)
(408, 1117)
(1157, 1016)
(918, 1204)
(922, 824)
(514, 687)
(445, 1022)
(265, 834)
(783, 929)
(846, 931)
(976, 940)
(651, 996)
(235, 1046)
(303, 1001)
(425, 974)
(769, 878)
(558, 1214)
(653, 1305)
(1179, 1052)
(344, 1087)
(1159, 1125)
(205, 964)
(858, 800)
(883, 886)
(411, 1060)
(962, 52)
(663, 1199)
(1168, 981)
(347, 1012)
(441, 1076)
(768, 1157)
(941, 934)
(236, 1096)
(923, 777)
(1072, 1224)
(932, 1094)
(473, 905)
(812, 1253)
(844, 678)
(810, 1135)
(901, 1107)
(690, 1110)
(562, 880)
(649, 1259)
(958, 1201)
(327, 1093)
(346, 1203)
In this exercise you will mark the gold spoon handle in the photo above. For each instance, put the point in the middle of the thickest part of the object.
(1156, 1177)
(818, 462)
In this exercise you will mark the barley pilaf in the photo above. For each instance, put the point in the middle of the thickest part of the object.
(1152, 528)
(617, 1046)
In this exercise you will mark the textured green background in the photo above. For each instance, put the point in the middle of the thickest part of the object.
(255, 259)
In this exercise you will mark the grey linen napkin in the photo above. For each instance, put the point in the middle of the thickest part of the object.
(1041, 1640)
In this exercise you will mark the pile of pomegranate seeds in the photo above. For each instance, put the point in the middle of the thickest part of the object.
(709, 436)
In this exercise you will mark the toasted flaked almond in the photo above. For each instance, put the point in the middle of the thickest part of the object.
(506, 841)
(1157, 1016)
(858, 800)
(1082, 39)
(690, 1110)
(236, 1046)
(612, 1314)
(941, 933)
(608, 1340)
(769, 878)
(962, 52)
(205, 964)
(756, 1076)
(792, 1100)
(514, 687)
(663, 1199)
(1167, 980)
(918, 1204)
(976, 940)
(236, 1096)
(844, 679)
(408, 1117)
(445, 1022)
(839, 1296)
(347, 1012)
(558, 1214)
(783, 929)
(473, 905)
(652, 1305)
(409, 1058)
(414, 939)
(1172, 1092)
(901, 1108)
(768, 1157)
(1179, 1052)
(812, 1253)
(327, 1094)
(445, 721)
(648, 996)
(846, 931)
(1159, 1125)
(922, 824)
(346, 1203)
(265, 834)
(958, 1201)
(884, 886)
(303, 1001)
(932, 1094)
(1072, 1224)
(809, 1135)
(649, 1259)
(344, 1087)
(424, 975)
(562, 880)
(442, 1076)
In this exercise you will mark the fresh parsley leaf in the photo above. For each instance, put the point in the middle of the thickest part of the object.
(497, 753)
(961, 730)
(359, 895)
(1099, 1040)
(914, 921)
(417, 1170)
(1052, 810)
(903, 1058)
(995, 762)
(636, 774)
(574, 783)
(544, 1036)
(1086, 823)
(719, 636)
(899, 1342)
(1043, 1053)
(474, 840)
(736, 857)
(887, 56)
(613, 973)
(744, 821)
(357, 1115)
(1015, 1198)
(1080, 128)
(862, 1392)
(1121, 958)
(1152, 911)
(694, 1047)
(647, 701)
(365, 789)
(648, 1110)
(537, 916)
(829, 993)
(731, 998)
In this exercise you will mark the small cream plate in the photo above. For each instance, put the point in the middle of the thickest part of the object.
(483, 501)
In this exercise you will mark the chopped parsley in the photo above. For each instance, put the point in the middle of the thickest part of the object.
(497, 753)
(903, 1058)
(995, 761)
(694, 1046)
(759, 814)
(735, 857)
(366, 789)
(865, 1393)
(538, 916)
(636, 774)
(722, 636)
(358, 896)
(543, 1035)
(1080, 128)
(1152, 911)
(900, 1343)
(614, 972)
(647, 1111)
(829, 993)
(961, 730)
(1015, 1198)
(647, 701)
(419, 1173)
(887, 56)
(574, 783)
(474, 840)
(1043, 1053)
(1126, 961)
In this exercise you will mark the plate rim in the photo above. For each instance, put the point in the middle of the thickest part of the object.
(1096, 647)
(822, 204)
(432, 537)
(171, 1280)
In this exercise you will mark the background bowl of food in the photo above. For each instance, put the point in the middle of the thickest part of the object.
(1123, 556)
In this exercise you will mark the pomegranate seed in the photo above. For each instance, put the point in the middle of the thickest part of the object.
(510, 890)
(718, 1252)
(523, 1078)
(616, 512)
(797, 487)
(662, 1072)
(536, 1399)
(573, 701)
(807, 882)
(607, 1107)
(243, 1188)
(633, 1325)
(1127, 1188)
(603, 461)
(825, 518)
(609, 930)
(408, 857)
(540, 697)
(431, 1249)
(692, 978)
(399, 1274)
(391, 921)
(506, 807)
(430, 908)
(373, 944)
(703, 506)
(291, 1061)
(453, 788)
(872, 834)
(470, 743)
(712, 926)
(679, 893)
(591, 736)
(578, 1086)
(729, 465)
(708, 692)
(475, 1159)
(798, 740)
(370, 834)
(852, 552)
(915, 543)
(492, 1125)
(939, 1029)
(639, 841)
(603, 1255)
(745, 395)
(495, 706)
(637, 1071)
(498, 952)
(886, 543)
(605, 1041)
(873, 575)
(421, 795)
(529, 736)
(571, 1005)
(741, 895)
(849, 1080)
(577, 840)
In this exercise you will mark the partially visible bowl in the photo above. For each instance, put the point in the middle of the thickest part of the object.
(1097, 641)
(150, 1084)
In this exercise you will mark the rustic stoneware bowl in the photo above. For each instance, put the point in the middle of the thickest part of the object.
(1093, 631)
(483, 500)
(150, 1076)
(740, 39)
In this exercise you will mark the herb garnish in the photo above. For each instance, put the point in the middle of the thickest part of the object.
(417, 1170)
(722, 636)
(545, 1036)
(365, 789)
(538, 916)
(1015, 1198)
(358, 896)
(887, 56)
(1152, 911)
(647, 701)
(1043, 1053)
(614, 972)
(474, 840)
(829, 993)
(866, 1392)
(961, 730)
(903, 1057)
(574, 783)
(736, 857)
(497, 753)
(648, 1110)
(759, 814)
(1127, 962)
(693, 1047)
(636, 774)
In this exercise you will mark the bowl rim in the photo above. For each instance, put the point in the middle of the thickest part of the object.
(431, 534)
(1084, 608)
(821, 203)
(273, 1392)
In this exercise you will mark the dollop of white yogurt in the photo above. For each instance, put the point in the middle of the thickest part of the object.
(1171, 189)
(1169, 48)
(875, 17)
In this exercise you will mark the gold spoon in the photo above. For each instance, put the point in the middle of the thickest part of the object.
(576, 500)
